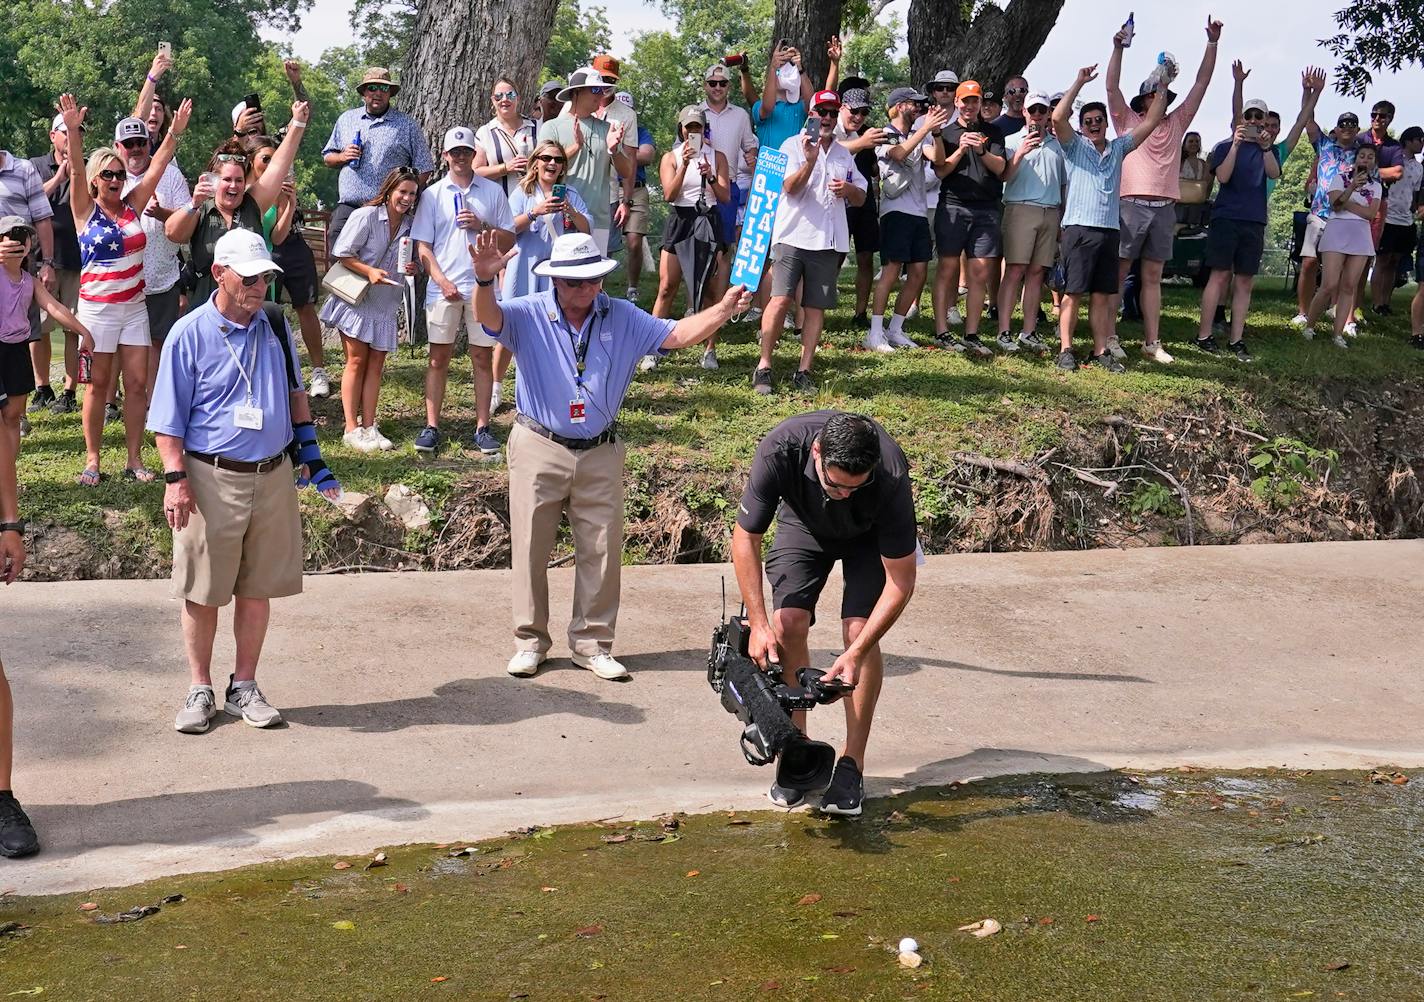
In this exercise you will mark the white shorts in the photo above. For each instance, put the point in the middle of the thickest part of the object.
(1314, 229)
(442, 323)
(115, 324)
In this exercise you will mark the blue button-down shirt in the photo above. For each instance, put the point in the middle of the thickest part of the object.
(199, 387)
(391, 141)
(1094, 180)
(434, 224)
(618, 335)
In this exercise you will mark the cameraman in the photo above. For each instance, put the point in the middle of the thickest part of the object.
(839, 487)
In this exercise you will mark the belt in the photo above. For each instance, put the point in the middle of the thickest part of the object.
(575, 444)
(238, 465)
(1151, 203)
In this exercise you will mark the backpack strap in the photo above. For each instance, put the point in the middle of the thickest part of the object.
(278, 320)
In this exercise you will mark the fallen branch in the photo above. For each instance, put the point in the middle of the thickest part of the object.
(1001, 466)
(1248, 434)
(1181, 493)
(1109, 486)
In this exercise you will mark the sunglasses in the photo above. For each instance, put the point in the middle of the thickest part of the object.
(1377, 115)
(248, 281)
(1090, 123)
(378, 88)
(1348, 123)
(407, 172)
(936, 88)
(1254, 116)
(826, 481)
(18, 235)
(826, 112)
(600, 91)
(1015, 91)
(506, 95)
(112, 175)
(579, 283)
(134, 144)
(231, 158)
(715, 83)
(549, 158)
(860, 111)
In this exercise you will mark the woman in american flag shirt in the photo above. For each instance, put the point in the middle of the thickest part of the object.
(111, 302)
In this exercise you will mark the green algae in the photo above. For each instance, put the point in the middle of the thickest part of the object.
(1192, 885)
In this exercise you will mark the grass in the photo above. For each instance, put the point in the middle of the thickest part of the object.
(1189, 885)
(708, 423)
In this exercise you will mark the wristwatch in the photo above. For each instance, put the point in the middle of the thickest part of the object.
(13, 527)
(484, 283)
(173, 476)
(47, 262)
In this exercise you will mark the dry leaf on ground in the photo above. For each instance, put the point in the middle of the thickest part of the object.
(809, 899)
(982, 928)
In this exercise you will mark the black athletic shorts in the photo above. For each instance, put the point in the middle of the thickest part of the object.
(162, 312)
(1089, 256)
(905, 239)
(1235, 246)
(17, 374)
(864, 224)
(1397, 239)
(799, 565)
(298, 276)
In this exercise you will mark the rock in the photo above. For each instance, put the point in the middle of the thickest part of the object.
(353, 504)
(408, 506)
(911, 959)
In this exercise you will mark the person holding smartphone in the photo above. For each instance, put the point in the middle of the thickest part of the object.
(544, 208)
(1346, 245)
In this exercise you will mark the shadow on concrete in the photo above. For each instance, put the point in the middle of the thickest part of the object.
(1088, 792)
(465, 702)
(895, 665)
(226, 817)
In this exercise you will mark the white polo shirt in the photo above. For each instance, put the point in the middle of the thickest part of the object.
(434, 224)
(730, 131)
(813, 218)
(161, 269)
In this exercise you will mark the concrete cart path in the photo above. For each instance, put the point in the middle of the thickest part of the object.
(403, 727)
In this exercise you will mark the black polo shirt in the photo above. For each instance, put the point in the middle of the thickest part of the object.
(971, 184)
(784, 486)
(66, 240)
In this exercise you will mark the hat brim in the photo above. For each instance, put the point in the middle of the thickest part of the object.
(593, 269)
(247, 269)
(21, 226)
(459, 146)
(1141, 101)
(394, 87)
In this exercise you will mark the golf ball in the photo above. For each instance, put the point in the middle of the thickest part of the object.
(908, 945)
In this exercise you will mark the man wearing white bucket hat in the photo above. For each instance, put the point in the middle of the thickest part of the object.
(577, 350)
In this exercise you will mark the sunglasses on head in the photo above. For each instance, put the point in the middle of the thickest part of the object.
(231, 158)
(715, 83)
(134, 144)
(407, 172)
(112, 175)
(506, 95)
(549, 158)
(379, 88)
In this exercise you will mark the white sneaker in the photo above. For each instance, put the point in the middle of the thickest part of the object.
(360, 440)
(1330, 313)
(603, 665)
(374, 436)
(752, 315)
(1115, 348)
(648, 363)
(898, 339)
(524, 663)
(877, 342)
(1351, 329)
(1299, 321)
(496, 396)
(952, 318)
(632, 294)
(1154, 352)
(319, 384)
(1340, 342)
(790, 322)
(709, 358)
(914, 311)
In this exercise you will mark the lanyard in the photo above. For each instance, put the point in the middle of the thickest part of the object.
(579, 345)
(246, 378)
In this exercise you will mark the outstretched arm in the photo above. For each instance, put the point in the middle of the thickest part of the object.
(700, 326)
(156, 69)
(162, 157)
(267, 188)
(1239, 73)
(81, 203)
(1116, 105)
(1193, 100)
(1312, 82)
(1062, 127)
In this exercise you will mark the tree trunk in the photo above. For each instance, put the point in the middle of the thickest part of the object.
(999, 44)
(457, 50)
(809, 25)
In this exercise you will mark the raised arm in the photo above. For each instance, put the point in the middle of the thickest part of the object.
(266, 189)
(1312, 82)
(1239, 73)
(156, 69)
(749, 93)
(81, 203)
(1193, 100)
(834, 51)
(488, 259)
(768, 87)
(1062, 126)
(142, 192)
(293, 69)
(1117, 106)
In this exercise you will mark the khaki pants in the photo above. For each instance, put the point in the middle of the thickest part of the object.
(545, 479)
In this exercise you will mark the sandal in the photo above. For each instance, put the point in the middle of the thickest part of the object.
(89, 478)
(140, 473)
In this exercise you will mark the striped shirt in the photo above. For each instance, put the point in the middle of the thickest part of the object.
(21, 190)
(112, 258)
(391, 141)
(1094, 180)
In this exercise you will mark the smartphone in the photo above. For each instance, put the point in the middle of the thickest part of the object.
(253, 101)
(165, 49)
(1253, 132)
(558, 191)
(813, 128)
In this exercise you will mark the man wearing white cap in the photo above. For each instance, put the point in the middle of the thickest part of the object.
(577, 350)
(729, 130)
(449, 214)
(231, 419)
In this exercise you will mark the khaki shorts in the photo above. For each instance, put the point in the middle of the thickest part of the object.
(67, 292)
(640, 217)
(244, 540)
(442, 323)
(1030, 234)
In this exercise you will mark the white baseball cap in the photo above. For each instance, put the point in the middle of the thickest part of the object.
(237, 111)
(245, 252)
(458, 138)
(623, 97)
(1256, 104)
(1036, 98)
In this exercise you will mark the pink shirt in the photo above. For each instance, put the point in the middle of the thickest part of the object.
(15, 307)
(1150, 171)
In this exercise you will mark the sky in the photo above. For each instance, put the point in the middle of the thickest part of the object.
(1274, 47)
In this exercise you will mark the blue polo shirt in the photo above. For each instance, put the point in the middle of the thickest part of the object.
(434, 224)
(787, 119)
(199, 386)
(617, 333)
(1243, 198)
(1094, 181)
(391, 141)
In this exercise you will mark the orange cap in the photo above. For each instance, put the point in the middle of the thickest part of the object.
(969, 88)
(606, 65)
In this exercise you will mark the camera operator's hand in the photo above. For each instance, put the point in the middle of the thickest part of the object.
(763, 646)
(846, 668)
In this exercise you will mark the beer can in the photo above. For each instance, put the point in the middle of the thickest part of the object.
(86, 367)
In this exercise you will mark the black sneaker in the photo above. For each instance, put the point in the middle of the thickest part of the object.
(1208, 344)
(1384, 311)
(947, 342)
(784, 798)
(761, 381)
(860, 320)
(17, 835)
(1238, 348)
(846, 791)
(43, 397)
(1106, 361)
(994, 313)
(973, 346)
(803, 382)
(1066, 361)
(64, 403)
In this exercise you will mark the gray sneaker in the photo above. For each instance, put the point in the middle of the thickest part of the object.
(1066, 361)
(1006, 342)
(485, 441)
(197, 712)
(1032, 342)
(245, 700)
